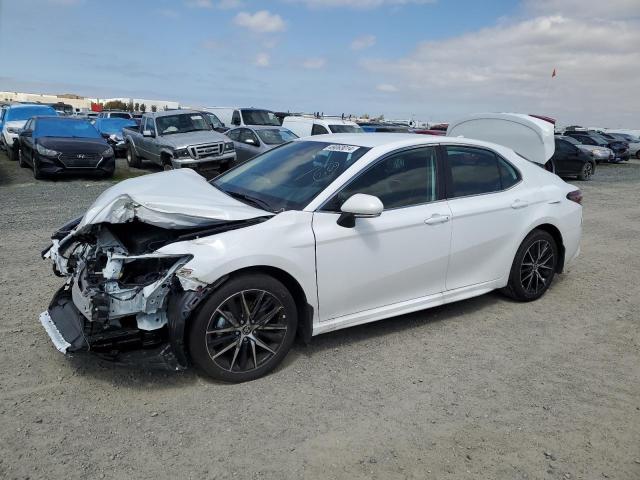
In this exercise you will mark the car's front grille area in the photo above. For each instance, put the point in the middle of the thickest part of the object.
(80, 160)
(207, 150)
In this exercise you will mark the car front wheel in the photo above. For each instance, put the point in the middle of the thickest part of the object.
(132, 158)
(587, 171)
(533, 268)
(245, 328)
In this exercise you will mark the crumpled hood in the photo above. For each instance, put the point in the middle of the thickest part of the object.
(172, 199)
(184, 140)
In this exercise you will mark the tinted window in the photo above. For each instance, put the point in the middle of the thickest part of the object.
(235, 118)
(509, 176)
(585, 140)
(401, 180)
(290, 176)
(318, 130)
(215, 121)
(234, 134)
(345, 129)
(150, 126)
(246, 134)
(473, 171)
(119, 115)
(260, 117)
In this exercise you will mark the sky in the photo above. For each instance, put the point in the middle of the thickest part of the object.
(431, 60)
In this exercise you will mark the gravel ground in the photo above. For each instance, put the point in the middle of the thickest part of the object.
(485, 388)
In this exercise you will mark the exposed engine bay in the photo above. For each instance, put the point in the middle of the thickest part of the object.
(118, 290)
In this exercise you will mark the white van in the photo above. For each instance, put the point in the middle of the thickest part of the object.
(307, 125)
(244, 117)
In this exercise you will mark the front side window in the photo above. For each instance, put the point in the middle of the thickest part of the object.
(247, 134)
(290, 176)
(318, 130)
(403, 179)
(181, 123)
(150, 126)
(215, 121)
(474, 171)
(234, 134)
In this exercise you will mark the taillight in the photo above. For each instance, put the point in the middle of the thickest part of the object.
(575, 196)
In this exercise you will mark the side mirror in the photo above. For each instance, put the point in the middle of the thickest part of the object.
(250, 141)
(147, 133)
(359, 205)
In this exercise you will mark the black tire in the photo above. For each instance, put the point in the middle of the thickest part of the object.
(21, 161)
(253, 333)
(588, 169)
(132, 158)
(13, 153)
(528, 283)
(37, 174)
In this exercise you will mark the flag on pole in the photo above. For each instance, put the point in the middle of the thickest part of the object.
(554, 73)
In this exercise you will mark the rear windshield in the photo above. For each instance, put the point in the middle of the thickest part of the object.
(345, 129)
(119, 115)
(181, 123)
(65, 127)
(276, 136)
(25, 113)
(260, 117)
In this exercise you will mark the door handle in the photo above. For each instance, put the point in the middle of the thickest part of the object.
(436, 218)
(519, 204)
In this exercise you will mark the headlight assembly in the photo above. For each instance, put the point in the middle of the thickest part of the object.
(181, 153)
(47, 152)
(229, 147)
(108, 152)
(13, 130)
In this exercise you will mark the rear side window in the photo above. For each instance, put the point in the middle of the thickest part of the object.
(475, 171)
(318, 130)
(235, 118)
(234, 135)
(401, 180)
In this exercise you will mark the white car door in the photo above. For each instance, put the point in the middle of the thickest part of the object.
(489, 207)
(399, 256)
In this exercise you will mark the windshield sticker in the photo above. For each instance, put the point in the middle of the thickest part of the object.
(341, 148)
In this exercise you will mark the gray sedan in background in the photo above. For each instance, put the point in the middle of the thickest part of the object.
(251, 141)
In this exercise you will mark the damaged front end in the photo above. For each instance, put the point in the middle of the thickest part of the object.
(115, 300)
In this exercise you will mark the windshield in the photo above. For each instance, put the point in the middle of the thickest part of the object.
(260, 117)
(114, 125)
(65, 127)
(345, 129)
(181, 123)
(25, 113)
(276, 136)
(119, 115)
(290, 176)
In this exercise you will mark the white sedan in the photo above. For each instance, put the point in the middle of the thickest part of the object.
(316, 235)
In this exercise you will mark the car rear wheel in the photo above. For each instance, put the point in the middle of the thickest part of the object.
(534, 267)
(587, 171)
(245, 328)
(132, 158)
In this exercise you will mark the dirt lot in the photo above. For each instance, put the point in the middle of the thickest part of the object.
(485, 388)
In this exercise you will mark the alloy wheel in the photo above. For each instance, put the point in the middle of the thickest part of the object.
(588, 171)
(246, 330)
(538, 265)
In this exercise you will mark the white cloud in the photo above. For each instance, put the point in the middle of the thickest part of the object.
(262, 60)
(260, 22)
(386, 87)
(314, 63)
(508, 67)
(589, 9)
(359, 4)
(363, 42)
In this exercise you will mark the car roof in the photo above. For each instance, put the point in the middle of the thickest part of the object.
(261, 127)
(29, 105)
(166, 113)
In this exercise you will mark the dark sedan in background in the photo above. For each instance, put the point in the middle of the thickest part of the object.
(55, 145)
(620, 149)
(252, 141)
(570, 160)
(111, 131)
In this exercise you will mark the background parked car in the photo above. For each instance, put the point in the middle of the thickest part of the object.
(620, 149)
(570, 160)
(599, 154)
(307, 125)
(384, 127)
(14, 119)
(179, 139)
(55, 145)
(252, 141)
(111, 131)
(632, 142)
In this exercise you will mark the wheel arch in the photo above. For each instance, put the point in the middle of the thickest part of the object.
(557, 236)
